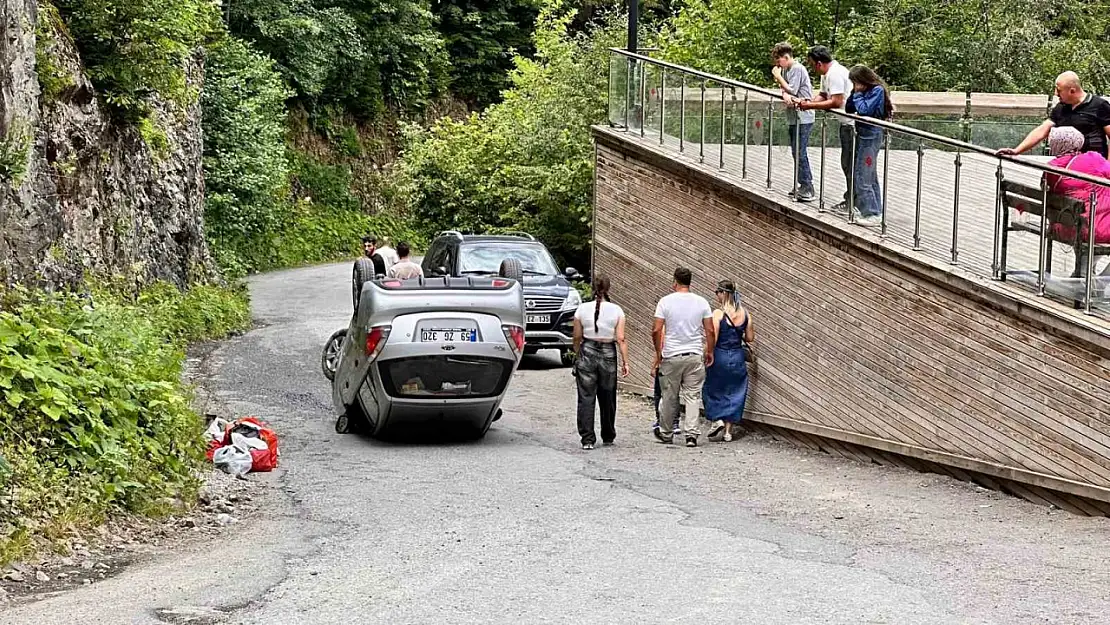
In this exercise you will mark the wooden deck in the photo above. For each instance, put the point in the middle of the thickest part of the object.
(970, 233)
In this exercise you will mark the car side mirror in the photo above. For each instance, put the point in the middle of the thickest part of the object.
(572, 274)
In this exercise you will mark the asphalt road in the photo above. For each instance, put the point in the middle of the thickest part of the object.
(525, 527)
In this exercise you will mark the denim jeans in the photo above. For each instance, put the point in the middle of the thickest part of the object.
(596, 372)
(869, 195)
(800, 134)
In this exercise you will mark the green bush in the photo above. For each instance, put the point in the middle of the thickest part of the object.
(526, 162)
(133, 50)
(94, 416)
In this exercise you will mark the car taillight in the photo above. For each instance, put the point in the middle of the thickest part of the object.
(515, 335)
(375, 340)
(497, 283)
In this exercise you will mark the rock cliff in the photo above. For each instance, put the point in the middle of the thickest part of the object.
(79, 191)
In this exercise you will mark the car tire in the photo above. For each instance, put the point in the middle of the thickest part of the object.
(512, 269)
(333, 349)
(352, 421)
(363, 273)
(566, 358)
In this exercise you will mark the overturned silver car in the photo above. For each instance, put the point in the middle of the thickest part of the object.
(434, 351)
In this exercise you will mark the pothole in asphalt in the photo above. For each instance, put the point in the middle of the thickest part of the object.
(190, 615)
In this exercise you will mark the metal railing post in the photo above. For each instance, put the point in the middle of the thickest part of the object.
(770, 136)
(643, 97)
(744, 148)
(722, 160)
(996, 265)
(701, 137)
(628, 92)
(885, 190)
(852, 178)
(821, 182)
(917, 200)
(956, 210)
(662, 104)
(1091, 202)
(682, 116)
(1042, 252)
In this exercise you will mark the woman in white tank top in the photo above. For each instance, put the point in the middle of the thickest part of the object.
(598, 334)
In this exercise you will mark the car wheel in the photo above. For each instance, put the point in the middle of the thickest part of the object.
(566, 358)
(352, 421)
(512, 269)
(363, 273)
(329, 360)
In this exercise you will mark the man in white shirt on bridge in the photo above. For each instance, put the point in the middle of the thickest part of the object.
(834, 91)
(684, 338)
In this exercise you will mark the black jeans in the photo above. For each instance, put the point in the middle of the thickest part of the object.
(597, 382)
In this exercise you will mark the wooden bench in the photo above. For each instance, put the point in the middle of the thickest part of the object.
(1061, 210)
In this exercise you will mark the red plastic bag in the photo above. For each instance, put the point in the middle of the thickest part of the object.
(252, 427)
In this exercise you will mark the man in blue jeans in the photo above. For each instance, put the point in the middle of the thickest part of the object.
(796, 86)
(833, 92)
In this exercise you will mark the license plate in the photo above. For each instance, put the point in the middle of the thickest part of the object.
(448, 335)
(539, 318)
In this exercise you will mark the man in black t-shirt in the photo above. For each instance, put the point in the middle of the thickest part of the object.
(1089, 114)
(369, 247)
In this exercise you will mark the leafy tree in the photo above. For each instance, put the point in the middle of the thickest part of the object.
(246, 173)
(526, 162)
(133, 50)
(481, 38)
(734, 37)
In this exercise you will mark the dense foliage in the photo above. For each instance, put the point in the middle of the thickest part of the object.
(925, 45)
(94, 414)
(133, 50)
(526, 162)
(245, 166)
(481, 38)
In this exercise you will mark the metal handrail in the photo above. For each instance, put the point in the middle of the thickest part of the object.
(998, 265)
(920, 134)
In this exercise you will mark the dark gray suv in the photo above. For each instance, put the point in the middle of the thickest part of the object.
(550, 298)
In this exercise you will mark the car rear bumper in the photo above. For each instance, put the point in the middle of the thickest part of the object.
(547, 339)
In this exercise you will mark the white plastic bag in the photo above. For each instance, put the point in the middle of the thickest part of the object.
(215, 431)
(247, 442)
(234, 460)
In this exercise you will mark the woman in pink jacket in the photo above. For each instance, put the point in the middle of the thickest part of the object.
(1066, 144)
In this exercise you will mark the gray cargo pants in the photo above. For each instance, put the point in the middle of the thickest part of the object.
(681, 379)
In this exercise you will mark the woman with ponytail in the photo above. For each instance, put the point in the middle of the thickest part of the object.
(726, 381)
(598, 335)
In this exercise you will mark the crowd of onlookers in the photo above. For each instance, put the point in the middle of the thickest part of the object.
(1077, 132)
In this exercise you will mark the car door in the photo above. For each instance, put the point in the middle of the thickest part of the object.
(431, 259)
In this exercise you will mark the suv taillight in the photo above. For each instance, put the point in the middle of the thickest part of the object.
(375, 341)
(515, 336)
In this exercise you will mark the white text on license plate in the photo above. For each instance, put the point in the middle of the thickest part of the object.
(448, 335)
(539, 318)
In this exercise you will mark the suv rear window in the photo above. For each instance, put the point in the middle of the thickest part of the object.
(486, 258)
(445, 376)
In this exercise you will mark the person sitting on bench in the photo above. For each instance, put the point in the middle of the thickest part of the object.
(1066, 145)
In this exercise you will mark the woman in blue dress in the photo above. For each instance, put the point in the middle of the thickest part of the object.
(726, 382)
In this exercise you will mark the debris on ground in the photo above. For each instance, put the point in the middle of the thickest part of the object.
(242, 446)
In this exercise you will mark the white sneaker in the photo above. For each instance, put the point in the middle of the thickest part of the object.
(869, 221)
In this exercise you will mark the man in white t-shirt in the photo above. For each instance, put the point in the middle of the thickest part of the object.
(836, 87)
(388, 254)
(684, 338)
(404, 268)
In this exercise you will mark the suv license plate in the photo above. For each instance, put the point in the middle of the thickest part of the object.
(539, 318)
(448, 335)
